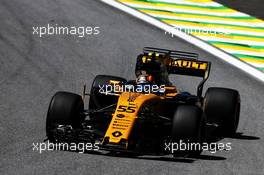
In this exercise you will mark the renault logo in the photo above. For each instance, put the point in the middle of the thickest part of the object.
(117, 134)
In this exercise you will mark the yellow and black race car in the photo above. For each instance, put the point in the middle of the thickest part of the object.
(148, 114)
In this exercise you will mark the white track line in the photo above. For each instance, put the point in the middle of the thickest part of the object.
(193, 40)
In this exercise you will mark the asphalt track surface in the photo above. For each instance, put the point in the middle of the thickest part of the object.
(32, 69)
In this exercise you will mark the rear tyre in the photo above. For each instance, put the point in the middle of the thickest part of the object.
(99, 100)
(222, 107)
(64, 109)
(188, 128)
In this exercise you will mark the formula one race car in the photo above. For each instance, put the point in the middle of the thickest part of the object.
(144, 115)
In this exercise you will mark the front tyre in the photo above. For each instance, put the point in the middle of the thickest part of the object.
(64, 109)
(188, 128)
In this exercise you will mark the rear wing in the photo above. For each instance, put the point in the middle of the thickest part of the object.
(171, 53)
(189, 67)
(182, 63)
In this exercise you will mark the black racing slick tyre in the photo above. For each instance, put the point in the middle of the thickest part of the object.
(64, 109)
(188, 131)
(222, 107)
(99, 100)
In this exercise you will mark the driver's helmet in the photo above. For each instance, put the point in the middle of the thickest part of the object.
(142, 79)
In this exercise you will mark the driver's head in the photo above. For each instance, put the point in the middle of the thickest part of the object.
(144, 78)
